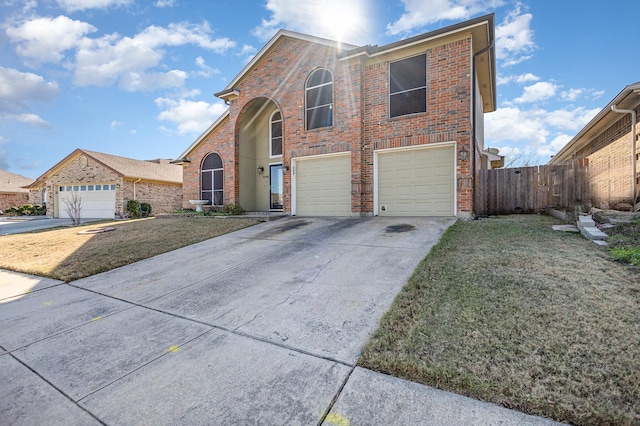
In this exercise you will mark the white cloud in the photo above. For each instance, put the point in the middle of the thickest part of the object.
(205, 70)
(18, 89)
(46, 39)
(191, 117)
(418, 13)
(514, 37)
(348, 21)
(115, 124)
(540, 132)
(520, 79)
(27, 118)
(111, 58)
(165, 3)
(74, 5)
(537, 92)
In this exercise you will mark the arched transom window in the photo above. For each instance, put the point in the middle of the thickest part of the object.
(319, 99)
(212, 176)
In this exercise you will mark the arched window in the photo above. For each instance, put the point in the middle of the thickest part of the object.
(319, 99)
(212, 180)
(275, 133)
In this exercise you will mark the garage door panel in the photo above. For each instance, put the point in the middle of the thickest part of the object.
(416, 182)
(323, 186)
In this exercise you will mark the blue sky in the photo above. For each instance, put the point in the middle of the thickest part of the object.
(136, 78)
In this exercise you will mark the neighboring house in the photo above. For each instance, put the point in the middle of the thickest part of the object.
(607, 145)
(12, 193)
(318, 127)
(491, 159)
(106, 182)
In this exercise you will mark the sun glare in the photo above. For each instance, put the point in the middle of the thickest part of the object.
(344, 21)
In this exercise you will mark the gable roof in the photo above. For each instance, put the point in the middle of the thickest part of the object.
(229, 90)
(11, 182)
(628, 98)
(154, 170)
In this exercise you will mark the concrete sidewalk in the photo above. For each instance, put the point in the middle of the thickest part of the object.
(262, 326)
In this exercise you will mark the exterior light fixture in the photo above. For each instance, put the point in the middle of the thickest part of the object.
(463, 154)
(260, 170)
(285, 168)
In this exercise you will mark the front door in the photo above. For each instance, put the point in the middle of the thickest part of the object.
(275, 185)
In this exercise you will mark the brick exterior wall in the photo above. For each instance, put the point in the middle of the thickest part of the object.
(609, 156)
(163, 197)
(13, 199)
(361, 119)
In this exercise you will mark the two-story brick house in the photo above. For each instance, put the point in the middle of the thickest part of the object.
(316, 127)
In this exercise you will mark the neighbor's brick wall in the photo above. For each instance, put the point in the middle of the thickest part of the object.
(610, 167)
(71, 174)
(164, 198)
(447, 118)
(13, 199)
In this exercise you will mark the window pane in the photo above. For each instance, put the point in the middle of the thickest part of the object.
(408, 74)
(319, 77)
(90, 187)
(62, 188)
(276, 129)
(320, 117)
(113, 187)
(68, 188)
(276, 116)
(276, 146)
(98, 187)
(408, 103)
(206, 195)
(207, 180)
(217, 179)
(217, 198)
(76, 188)
(322, 95)
(83, 188)
(213, 161)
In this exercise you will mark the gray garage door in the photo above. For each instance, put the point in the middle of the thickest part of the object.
(323, 186)
(416, 182)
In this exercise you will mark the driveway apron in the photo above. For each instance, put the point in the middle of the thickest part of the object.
(261, 326)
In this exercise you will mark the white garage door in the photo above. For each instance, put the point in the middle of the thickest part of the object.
(416, 182)
(323, 186)
(98, 200)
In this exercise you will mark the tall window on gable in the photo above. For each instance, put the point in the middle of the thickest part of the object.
(319, 99)
(275, 146)
(408, 86)
(212, 180)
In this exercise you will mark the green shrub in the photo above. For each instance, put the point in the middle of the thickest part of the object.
(133, 208)
(145, 209)
(232, 209)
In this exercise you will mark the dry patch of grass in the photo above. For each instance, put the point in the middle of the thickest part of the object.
(509, 311)
(65, 255)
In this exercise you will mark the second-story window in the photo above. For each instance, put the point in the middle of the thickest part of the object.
(408, 86)
(275, 145)
(319, 99)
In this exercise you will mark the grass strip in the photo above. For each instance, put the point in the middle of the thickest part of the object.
(507, 310)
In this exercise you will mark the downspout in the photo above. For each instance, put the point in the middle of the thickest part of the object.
(134, 188)
(633, 151)
(473, 121)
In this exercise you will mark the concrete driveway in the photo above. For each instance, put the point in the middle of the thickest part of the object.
(261, 326)
(22, 224)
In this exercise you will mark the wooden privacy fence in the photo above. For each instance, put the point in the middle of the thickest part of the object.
(533, 189)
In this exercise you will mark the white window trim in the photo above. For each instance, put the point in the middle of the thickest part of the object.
(333, 95)
(271, 155)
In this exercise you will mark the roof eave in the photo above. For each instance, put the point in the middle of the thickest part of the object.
(604, 116)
